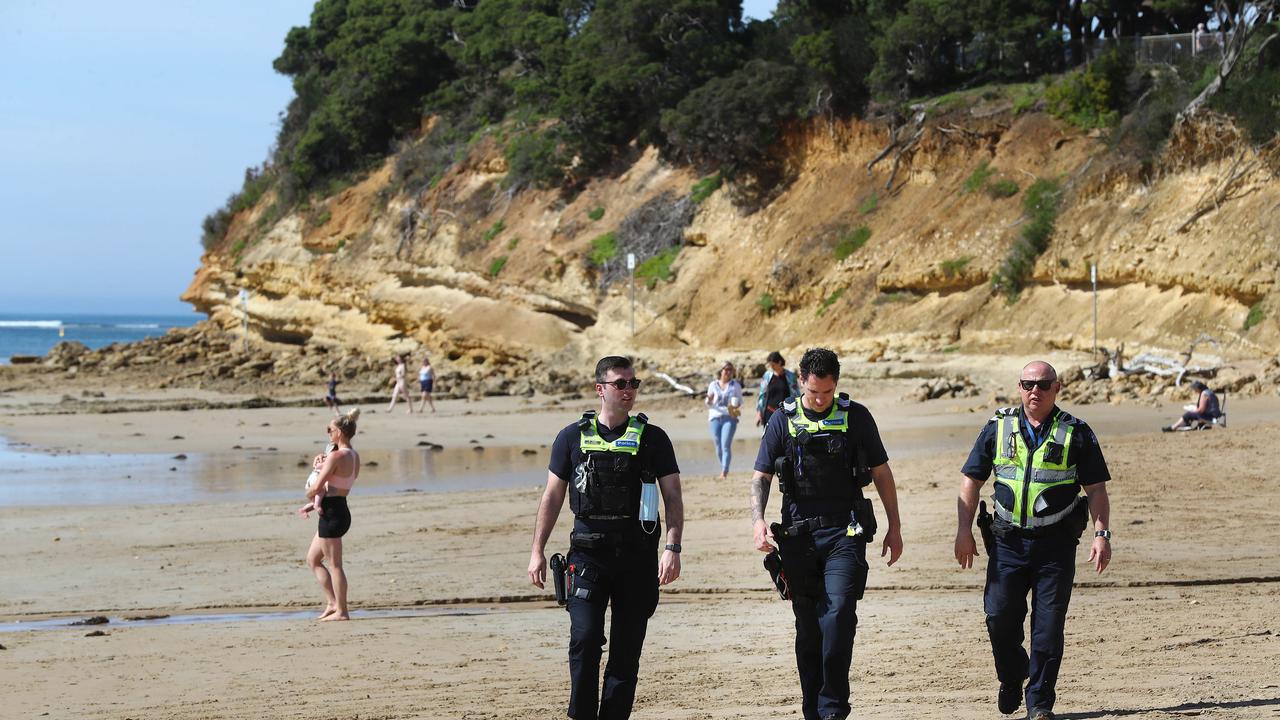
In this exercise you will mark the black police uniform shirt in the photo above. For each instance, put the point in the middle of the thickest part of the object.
(1083, 451)
(655, 454)
(862, 431)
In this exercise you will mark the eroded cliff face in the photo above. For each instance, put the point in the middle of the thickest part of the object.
(373, 272)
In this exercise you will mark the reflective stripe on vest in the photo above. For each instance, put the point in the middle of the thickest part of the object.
(837, 420)
(1029, 473)
(589, 439)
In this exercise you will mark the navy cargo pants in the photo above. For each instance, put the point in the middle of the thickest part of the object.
(827, 574)
(1046, 567)
(627, 577)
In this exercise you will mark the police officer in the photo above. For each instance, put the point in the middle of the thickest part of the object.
(1042, 457)
(604, 462)
(824, 448)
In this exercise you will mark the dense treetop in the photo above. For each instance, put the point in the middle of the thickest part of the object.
(571, 85)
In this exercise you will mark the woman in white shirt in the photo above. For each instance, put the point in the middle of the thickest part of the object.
(724, 398)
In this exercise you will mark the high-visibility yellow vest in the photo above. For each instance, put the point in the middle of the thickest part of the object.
(1029, 472)
(606, 484)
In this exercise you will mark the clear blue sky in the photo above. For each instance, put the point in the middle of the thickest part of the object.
(121, 126)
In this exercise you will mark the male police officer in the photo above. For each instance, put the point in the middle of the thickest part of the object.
(603, 461)
(1042, 457)
(825, 449)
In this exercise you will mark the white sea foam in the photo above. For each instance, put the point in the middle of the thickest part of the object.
(30, 323)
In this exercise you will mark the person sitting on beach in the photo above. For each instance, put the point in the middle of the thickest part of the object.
(1205, 410)
(338, 472)
(331, 395)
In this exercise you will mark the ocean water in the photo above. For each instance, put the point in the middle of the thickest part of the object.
(35, 333)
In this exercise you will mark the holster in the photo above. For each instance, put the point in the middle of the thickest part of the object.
(799, 561)
(784, 470)
(864, 513)
(773, 563)
(558, 568)
(984, 526)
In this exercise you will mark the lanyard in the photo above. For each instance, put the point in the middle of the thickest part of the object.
(1034, 438)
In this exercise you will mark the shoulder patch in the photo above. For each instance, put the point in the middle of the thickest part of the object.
(789, 406)
(843, 401)
(642, 418)
(584, 423)
(1068, 418)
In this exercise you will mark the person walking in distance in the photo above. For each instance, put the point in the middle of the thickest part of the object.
(1042, 458)
(611, 464)
(426, 384)
(398, 390)
(824, 449)
(724, 400)
(777, 385)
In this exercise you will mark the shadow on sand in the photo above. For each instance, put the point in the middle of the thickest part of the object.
(1184, 707)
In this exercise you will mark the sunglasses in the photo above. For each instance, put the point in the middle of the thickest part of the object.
(1029, 385)
(633, 383)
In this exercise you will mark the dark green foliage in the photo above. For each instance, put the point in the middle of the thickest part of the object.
(1094, 96)
(851, 241)
(953, 267)
(658, 267)
(512, 243)
(705, 188)
(1040, 203)
(733, 122)
(216, 224)
(603, 249)
(596, 214)
(496, 266)
(1164, 91)
(1255, 315)
(978, 178)
(536, 159)
(1002, 188)
(1253, 99)
(766, 303)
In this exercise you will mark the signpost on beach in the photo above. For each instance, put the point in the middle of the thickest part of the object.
(631, 269)
(244, 316)
(1093, 278)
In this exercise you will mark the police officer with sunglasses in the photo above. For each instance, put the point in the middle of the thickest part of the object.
(1042, 458)
(611, 464)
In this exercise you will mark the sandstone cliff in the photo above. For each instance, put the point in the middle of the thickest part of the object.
(499, 283)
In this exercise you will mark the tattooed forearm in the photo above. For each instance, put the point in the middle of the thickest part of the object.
(759, 495)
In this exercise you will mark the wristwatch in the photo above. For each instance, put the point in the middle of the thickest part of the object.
(1104, 534)
(674, 547)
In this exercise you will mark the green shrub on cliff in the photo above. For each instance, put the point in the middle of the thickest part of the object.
(603, 249)
(1040, 204)
(1094, 96)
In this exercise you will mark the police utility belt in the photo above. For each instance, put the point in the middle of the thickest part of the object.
(1068, 522)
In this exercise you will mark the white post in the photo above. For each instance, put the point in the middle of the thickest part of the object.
(1093, 278)
(244, 317)
(631, 268)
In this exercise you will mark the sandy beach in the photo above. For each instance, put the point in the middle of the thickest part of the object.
(1185, 623)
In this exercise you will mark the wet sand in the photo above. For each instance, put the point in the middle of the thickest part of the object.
(1186, 622)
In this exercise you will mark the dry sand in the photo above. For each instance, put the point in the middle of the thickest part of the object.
(1185, 623)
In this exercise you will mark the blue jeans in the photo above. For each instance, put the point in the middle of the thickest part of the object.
(722, 430)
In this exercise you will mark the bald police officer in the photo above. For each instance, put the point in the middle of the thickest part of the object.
(1042, 457)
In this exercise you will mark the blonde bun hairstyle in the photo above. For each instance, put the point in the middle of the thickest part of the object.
(347, 423)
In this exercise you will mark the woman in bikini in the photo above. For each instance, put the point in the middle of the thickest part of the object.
(338, 472)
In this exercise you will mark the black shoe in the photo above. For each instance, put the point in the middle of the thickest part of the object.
(1039, 714)
(1009, 699)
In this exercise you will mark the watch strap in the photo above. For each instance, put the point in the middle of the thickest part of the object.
(673, 547)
